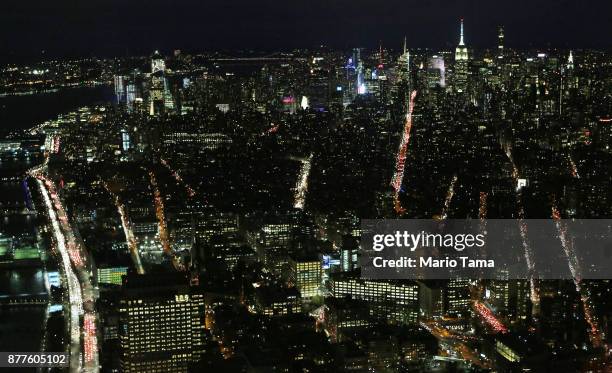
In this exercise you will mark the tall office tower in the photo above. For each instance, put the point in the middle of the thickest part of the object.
(168, 99)
(272, 244)
(131, 95)
(420, 78)
(361, 88)
(349, 254)
(461, 64)
(568, 81)
(436, 72)
(498, 294)
(157, 63)
(431, 299)
(120, 88)
(306, 274)
(520, 309)
(381, 75)
(156, 94)
(458, 297)
(570, 77)
(125, 140)
(404, 77)
(161, 324)
(158, 84)
(500, 44)
(404, 65)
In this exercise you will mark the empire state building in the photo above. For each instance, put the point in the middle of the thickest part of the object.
(461, 64)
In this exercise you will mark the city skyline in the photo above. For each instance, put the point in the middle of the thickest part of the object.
(181, 203)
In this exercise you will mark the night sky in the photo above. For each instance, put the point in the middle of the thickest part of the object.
(120, 27)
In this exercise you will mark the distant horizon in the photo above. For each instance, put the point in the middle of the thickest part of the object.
(260, 52)
(119, 28)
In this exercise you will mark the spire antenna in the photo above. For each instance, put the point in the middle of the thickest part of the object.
(461, 39)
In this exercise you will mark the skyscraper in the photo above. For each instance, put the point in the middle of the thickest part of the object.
(361, 88)
(461, 64)
(161, 324)
(568, 72)
(404, 65)
(436, 72)
(120, 88)
(157, 63)
(500, 44)
(158, 85)
(131, 95)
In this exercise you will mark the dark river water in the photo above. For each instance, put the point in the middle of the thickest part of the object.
(23, 112)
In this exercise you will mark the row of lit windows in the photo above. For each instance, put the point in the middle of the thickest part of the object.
(371, 290)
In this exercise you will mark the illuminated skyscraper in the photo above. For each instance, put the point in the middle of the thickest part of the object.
(168, 99)
(157, 63)
(361, 88)
(458, 297)
(158, 85)
(125, 140)
(569, 75)
(305, 273)
(436, 72)
(120, 88)
(461, 64)
(381, 76)
(404, 65)
(161, 324)
(500, 44)
(131, 95)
